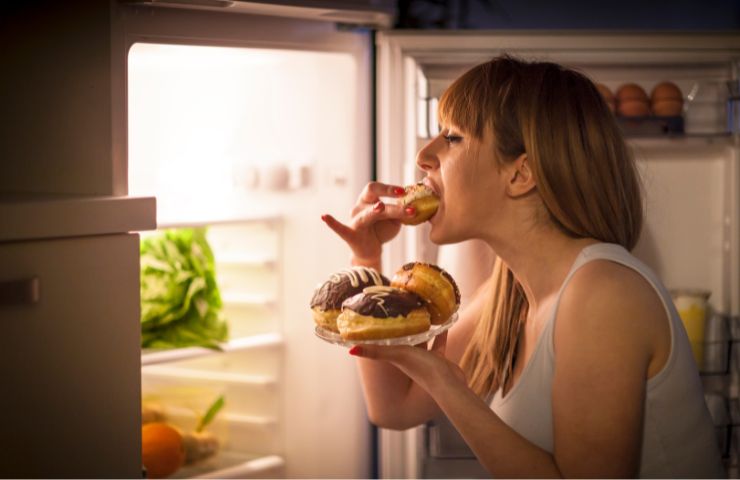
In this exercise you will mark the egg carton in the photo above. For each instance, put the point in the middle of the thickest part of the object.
(651, 126)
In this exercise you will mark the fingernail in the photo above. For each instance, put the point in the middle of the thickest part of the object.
(410, 211)
(324, 217)
(378, 206)
(356, 350)
(399, 191)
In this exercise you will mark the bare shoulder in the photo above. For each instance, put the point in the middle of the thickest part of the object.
(607, 298)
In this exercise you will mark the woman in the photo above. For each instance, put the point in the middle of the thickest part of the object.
(572, 361)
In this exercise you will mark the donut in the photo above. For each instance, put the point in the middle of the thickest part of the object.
(382, 312)
(327, 299)
(424, 201)
(434, 285)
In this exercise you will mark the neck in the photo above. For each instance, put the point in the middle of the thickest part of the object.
(540, 260)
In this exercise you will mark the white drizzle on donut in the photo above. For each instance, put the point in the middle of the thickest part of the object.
(378, 294)
(356, 275)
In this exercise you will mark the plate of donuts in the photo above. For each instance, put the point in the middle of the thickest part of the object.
(413, 339)
(358, 305)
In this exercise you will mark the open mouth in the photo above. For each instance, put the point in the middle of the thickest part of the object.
(426, 181)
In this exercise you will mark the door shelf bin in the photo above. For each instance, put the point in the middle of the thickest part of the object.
(234, 465)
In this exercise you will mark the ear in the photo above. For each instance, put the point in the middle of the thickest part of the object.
(521, 177)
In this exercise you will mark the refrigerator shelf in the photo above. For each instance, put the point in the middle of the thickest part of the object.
(246, 260)
(233, 465)
(682, 143)
(247, 299)
(152, 357)
(178, 415)
(212, 375)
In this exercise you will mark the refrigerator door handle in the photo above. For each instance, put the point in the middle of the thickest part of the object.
(23, 292)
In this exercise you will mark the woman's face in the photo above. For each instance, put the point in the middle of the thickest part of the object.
(464, 173)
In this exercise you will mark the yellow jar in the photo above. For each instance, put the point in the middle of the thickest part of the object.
(692, 307)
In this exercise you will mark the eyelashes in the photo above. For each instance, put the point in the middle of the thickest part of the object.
(453, 138)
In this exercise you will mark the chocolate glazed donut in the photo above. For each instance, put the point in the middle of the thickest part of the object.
(434, 285)
(327, 299)
(382, 312)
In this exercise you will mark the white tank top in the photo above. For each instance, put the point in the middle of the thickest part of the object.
(678, 438)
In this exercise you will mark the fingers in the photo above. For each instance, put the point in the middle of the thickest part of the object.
(380, 211)
(389, 353)
(439, 343)
(374, 190)
(378, 352)
(345, 232)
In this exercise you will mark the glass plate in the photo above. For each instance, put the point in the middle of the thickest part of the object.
(415, 339)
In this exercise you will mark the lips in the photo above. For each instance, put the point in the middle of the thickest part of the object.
(429, 184)
(426, 181)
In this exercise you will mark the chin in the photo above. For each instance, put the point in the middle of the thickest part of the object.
(442, 236)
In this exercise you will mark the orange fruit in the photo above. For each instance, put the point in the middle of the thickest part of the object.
(162, 452)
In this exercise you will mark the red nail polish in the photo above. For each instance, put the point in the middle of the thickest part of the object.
(324, 217)
(410, 210)
(356, 350)
(399, 191)
(378, 206)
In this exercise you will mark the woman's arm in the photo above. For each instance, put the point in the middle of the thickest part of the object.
(395, 401)
(608, 329)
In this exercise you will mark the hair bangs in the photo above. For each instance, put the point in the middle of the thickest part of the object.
(460, 104)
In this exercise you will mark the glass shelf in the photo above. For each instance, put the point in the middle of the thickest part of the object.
(232, 465)
(154, 356)
(211, 375)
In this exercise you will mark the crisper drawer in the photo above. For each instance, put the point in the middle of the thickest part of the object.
(70, 358)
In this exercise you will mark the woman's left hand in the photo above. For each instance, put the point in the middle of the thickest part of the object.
(428, 368)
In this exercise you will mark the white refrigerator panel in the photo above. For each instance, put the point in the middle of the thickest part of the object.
(690, 223)
(691, 183)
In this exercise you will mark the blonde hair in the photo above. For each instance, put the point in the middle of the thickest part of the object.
(585, 176)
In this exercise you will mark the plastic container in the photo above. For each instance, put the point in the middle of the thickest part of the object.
(704, 109)
(733, 107)
(717, 342)
(692, 307)
(720, 412)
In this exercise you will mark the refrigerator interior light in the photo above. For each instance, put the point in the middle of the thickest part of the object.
(210, 125)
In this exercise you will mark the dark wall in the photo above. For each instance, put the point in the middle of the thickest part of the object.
(570, 14)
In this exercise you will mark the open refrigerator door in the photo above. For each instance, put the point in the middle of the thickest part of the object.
(690, 168)
(247, 129)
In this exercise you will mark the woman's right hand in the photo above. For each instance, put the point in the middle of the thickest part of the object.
(373, 222)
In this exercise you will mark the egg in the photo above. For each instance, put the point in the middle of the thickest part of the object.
(633, 108)
(631, 91)
(666, 91)
(666, 100)
(632, 101)
(667, 108)
(608, 96)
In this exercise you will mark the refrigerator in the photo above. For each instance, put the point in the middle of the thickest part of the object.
(251, 119)
(257, 139)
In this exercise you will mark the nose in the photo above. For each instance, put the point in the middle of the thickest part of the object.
(427, 159)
